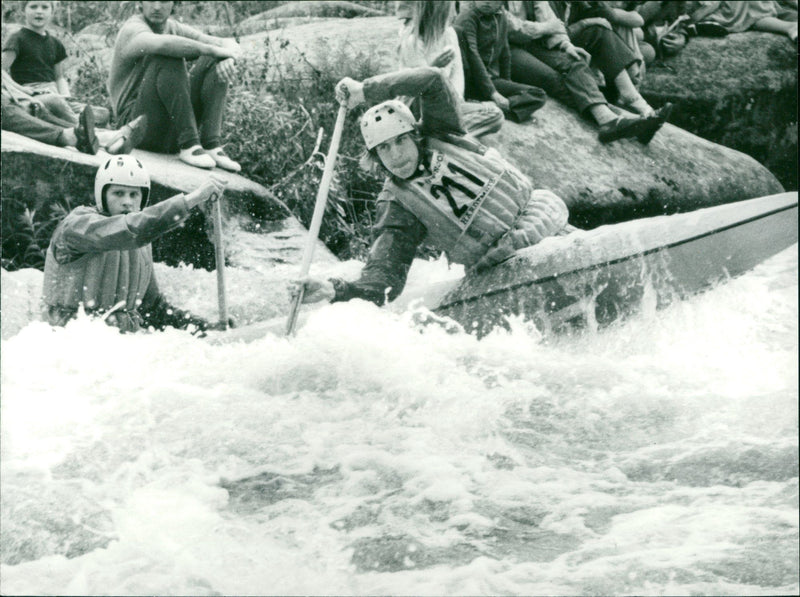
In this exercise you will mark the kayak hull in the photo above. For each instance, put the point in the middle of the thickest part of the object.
(590, 279)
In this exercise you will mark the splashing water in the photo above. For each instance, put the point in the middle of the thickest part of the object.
(371, 455)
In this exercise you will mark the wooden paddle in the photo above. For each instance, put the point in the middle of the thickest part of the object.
(220, 259)
(319, 210)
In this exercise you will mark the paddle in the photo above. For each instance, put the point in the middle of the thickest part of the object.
(220, 259)
(319, 210)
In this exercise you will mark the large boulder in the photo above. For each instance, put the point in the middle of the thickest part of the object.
(559, 150)
(740, 91)
(259, 229)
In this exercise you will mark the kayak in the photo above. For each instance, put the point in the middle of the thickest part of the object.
(589, 279)
(592, 278)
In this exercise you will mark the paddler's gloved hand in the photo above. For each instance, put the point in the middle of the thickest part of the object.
(349, 93)
(314, 290)
(209, 190)
(198, 326)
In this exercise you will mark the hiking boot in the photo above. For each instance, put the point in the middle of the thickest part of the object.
(658, 118)
(222, 160)
(197, 156)
(622, 127)
(85, 134)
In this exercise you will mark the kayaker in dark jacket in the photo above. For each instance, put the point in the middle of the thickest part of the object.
(101, 258)
(441, 187)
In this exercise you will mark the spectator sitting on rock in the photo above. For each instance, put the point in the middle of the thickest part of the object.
(756, 15)
(430, 40)
(34, 58)
(31, 116)
(149, 76)
(543, 55)
(608, 53)
(482, 30)
(625, 22)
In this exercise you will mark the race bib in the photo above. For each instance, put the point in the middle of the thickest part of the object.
(454, 190)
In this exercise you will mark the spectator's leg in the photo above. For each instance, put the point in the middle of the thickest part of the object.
(164, 98)
(528, 69)
(208, 93)
(612, 56)
(776, 25)
(509, 88)
(17, 120)
(59, 107)
(578, 80)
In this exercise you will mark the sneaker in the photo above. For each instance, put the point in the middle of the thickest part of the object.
(624, 126)
(659, 117)
(222, 160)
(196, 156)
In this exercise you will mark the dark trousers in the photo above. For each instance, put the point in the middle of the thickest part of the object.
(504, 87)
(183, 109)
(47, 128)
(610, 54)
(564, 78)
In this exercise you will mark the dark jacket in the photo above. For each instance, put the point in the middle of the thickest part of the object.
(484, 48)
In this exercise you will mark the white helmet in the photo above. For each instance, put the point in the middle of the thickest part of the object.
(386, 121)
(121, 169)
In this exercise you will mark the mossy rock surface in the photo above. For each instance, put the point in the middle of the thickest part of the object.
(258, 227)
(739, 91)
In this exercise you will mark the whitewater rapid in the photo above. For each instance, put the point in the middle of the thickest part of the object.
(370, 454)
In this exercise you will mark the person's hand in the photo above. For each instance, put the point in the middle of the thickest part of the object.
(349, 93)
(314, 290)
(211, 190)
(599, 21)
(226, 69)
(577, 53)
(228, 49)
(444, 58)
(221, 326)
(501, 101)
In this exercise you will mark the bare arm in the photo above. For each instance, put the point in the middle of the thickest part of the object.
(175, 46)
(61, 80)
(8, 58)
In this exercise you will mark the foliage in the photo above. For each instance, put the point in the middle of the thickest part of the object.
(284, 108)
(26, 231)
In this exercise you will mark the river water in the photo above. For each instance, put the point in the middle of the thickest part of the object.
(372, 455)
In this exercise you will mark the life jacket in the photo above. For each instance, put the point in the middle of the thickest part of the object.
(99, 281)
(469, 199)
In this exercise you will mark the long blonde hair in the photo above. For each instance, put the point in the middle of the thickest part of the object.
(430, 19)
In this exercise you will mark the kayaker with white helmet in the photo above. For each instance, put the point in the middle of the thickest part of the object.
(101, 257)
(442, 188)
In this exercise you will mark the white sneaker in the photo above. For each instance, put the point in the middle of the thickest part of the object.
(196, 156)
(222, 160)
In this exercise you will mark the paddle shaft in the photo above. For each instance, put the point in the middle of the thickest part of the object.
(220, 259)
(319, 210)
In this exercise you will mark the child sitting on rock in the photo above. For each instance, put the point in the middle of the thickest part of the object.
(100, 258)
(483, 33)
(428, 39)
(34, 58)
